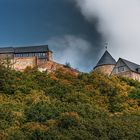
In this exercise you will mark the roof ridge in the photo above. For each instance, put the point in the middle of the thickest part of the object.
(35, 48)
(31, 46)
(129, 61)
(132, 66)
(106, 59)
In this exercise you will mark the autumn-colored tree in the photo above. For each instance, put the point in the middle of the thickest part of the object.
(65, 106)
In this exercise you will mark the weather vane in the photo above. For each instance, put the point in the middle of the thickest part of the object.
(106, 45)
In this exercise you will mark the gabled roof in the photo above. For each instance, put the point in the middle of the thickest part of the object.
(34, 49)
(41, 48)
(6, 50)
(132, 66)
(106, 59)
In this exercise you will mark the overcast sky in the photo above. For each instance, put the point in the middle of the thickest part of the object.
(76, 30)
(119, 24)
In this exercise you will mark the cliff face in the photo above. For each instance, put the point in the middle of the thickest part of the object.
(51, 66)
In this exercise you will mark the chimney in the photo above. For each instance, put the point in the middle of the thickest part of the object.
(49, 55)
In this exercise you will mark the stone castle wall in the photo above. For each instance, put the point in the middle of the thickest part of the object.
(129, 74)
(135, 76)
(20, 64)
(5, 56)
(106, 69)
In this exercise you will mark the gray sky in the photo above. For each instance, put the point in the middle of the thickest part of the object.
(119, 24)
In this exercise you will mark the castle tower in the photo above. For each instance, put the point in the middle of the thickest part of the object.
(49, 55)
(105, 64)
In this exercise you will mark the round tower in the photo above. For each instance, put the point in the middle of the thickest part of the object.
(105, 64)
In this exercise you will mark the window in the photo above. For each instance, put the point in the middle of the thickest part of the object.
(120, 69)
(43, 54)
(30, 54)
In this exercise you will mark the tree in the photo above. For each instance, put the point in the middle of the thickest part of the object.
(67, 65)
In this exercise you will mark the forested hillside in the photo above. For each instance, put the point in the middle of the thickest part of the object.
(63, 106)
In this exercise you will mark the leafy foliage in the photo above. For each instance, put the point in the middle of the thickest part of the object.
(64, 106)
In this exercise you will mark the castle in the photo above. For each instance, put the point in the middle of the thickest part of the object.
(122, 67)
(31, 56)
(41, 58)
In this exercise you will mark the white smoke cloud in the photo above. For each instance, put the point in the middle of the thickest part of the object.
(119, 23)
(72, 49)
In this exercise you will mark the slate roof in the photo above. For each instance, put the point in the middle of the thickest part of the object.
(34, 49)
(106, 59)
(132, 66)
(6, 50)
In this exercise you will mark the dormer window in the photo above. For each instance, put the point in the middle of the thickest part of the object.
(121, 69)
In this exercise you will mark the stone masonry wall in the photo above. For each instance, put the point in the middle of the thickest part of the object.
(135, 76)
(129, 74)
(22, 63)
(106, 69)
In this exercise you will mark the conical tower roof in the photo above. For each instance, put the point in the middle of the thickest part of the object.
(106, 59)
